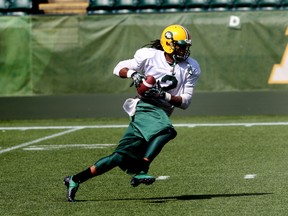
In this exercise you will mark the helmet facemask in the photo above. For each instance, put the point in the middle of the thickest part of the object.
(181, 50)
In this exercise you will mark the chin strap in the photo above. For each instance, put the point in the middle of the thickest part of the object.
(174, 64)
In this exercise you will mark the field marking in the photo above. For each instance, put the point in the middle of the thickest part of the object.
(39, 140)
(232, 124)
(250, 176)
(70, 129)
(62, 146)
(61, 127)
(161, 178)
(124, 126)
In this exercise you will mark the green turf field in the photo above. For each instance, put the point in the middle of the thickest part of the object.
(233, 165)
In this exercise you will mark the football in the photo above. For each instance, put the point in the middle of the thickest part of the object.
(146, 84)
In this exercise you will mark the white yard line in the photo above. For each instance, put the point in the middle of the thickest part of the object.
(60, 127)
(39, 140)
(232, 124)
(62, 146)
(124, 126)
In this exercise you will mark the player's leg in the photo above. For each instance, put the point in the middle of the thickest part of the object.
(154, 148)
(133, 146)
(101, 166)
(156, 144)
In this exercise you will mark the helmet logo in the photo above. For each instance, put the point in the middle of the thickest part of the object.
(169, 35)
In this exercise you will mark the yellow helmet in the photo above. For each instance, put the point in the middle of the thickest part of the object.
(176, 35)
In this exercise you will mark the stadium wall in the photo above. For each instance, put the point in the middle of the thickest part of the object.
(47, 60)
(240, 103)
(52, 55)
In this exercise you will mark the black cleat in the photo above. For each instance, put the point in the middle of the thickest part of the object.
(72, 188)
(142, 178)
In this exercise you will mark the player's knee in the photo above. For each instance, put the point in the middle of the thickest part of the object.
(116, 158)
(172, 133)
(107, 163)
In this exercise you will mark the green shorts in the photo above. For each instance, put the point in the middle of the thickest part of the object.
(148, 121)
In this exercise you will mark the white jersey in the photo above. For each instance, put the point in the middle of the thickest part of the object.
(178, 80)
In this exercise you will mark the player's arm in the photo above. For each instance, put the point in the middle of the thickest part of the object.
(186, 97)
(182, 101)
(192, 78)
(175, 100)
(129, 73)
(123, 73)
(124, 69)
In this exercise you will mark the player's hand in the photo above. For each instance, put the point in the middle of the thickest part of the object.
(137, 78)
(155, 92)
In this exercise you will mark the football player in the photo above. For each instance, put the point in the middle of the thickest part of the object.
(150, 128)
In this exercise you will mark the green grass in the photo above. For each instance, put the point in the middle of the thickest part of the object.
(206, 166)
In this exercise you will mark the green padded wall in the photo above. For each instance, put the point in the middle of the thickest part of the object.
(59, 55)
